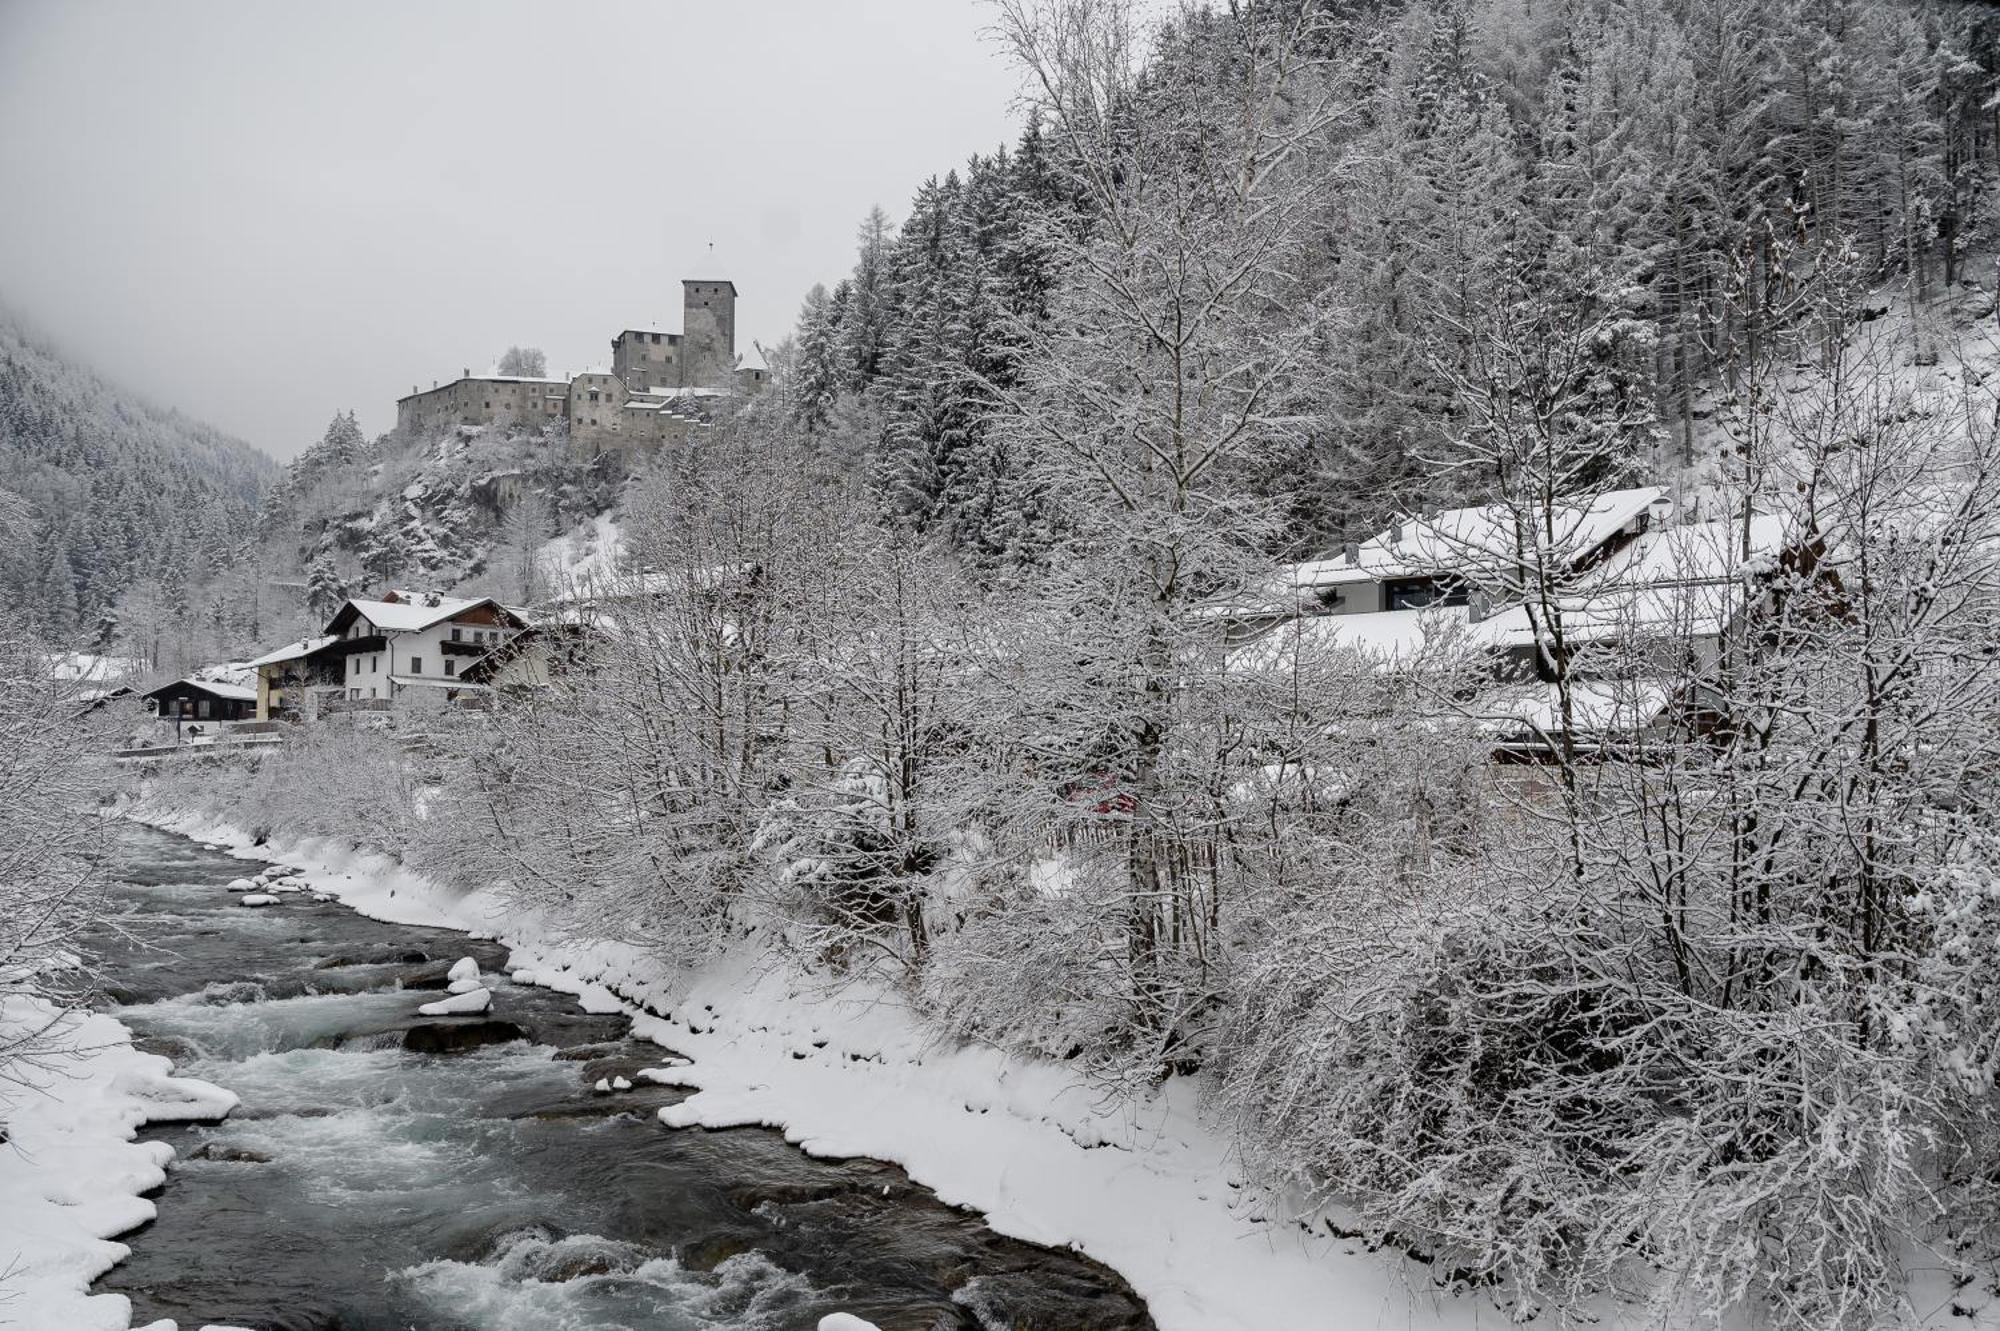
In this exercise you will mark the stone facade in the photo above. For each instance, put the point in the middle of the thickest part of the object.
(482, 400)
(645, 358)
(658, 387)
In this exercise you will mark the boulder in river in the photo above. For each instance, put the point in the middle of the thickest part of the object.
(459, 1005)
(257, 899)
(444, 1037)
(236, 1155)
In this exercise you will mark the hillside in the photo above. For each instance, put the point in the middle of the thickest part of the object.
(100, 491)
(465, 507)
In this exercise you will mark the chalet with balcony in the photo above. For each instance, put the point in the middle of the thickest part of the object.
(409, 644)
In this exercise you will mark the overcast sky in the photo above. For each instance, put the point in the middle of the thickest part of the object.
(264, 213)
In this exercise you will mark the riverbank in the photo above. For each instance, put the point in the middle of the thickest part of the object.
(848, 1071)
(72, 1175)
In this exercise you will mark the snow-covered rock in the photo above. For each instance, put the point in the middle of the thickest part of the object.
(459, 1005)
(465, 968)
(845, 1322)
(620, 1084)
(603, 1086)
(241, 885)
(465, 986)
(257, 899)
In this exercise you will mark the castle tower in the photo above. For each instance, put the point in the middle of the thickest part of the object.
(708, 322)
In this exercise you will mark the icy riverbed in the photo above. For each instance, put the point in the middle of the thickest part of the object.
(847, 1071)
(391, 1169)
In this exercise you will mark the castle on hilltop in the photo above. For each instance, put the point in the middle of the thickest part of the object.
(658, 388)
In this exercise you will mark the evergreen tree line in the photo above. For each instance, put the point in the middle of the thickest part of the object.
(99, 491)
(1668, 176)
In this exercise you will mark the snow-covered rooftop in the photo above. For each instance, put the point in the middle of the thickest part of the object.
(213, 687)
(89, 666)
(410, 611)
(1459, 538)
(293, 651)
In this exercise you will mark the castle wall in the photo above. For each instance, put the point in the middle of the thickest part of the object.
(645, 358)
(596, 412)
(481, 401)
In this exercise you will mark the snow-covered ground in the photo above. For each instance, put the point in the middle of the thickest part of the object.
(850, 1071)
(71, 1175)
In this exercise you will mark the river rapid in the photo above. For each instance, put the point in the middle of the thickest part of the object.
(392, 1172)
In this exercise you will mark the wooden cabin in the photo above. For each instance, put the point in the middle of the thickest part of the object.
(202, 700)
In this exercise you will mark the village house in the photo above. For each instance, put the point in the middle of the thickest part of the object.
(1640, 606)
(530, 659)
(292, 681)
(201, 700)
(413, 642)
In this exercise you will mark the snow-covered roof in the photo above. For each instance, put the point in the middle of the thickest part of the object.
(1692, 580)
(215, 688)
(226, 672)
(1387, 636)
(1459, 538)
(1702, 551)
(293, 651)
(411, 612)
(1603, 706)
(92, 667)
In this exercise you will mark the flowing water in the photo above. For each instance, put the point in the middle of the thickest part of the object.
(460, 1174)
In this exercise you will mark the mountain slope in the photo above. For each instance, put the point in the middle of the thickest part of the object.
(99, 488)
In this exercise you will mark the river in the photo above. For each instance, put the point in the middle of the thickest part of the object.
(390, 1171)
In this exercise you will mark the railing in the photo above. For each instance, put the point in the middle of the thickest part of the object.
(200, 744)
(335, 706)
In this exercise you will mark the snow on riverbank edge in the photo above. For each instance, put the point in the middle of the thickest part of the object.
(72, 1177)
(849, 1071)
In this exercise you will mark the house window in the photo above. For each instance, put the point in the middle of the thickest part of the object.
(1417, 593)
(416, 665)
(450, 666)
(374, 665)
(354, 695)
(455, 635)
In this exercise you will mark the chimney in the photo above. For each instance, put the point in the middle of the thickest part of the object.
(465, 373)
(1352, 550)
(1396, 532)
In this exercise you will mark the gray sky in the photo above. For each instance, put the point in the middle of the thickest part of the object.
(263, 213)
